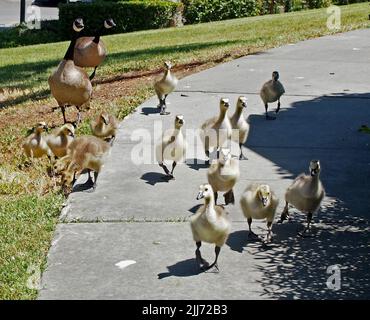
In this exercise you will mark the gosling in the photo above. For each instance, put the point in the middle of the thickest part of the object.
(271, 91)
(35, 145)
(306, 194)
(105, 126)
(239, 123)
(172, 146)
(164, 87)
(223, 175)
(259, 202)
(209, 224)
(86, 152)
(59, 140)
(217, 130)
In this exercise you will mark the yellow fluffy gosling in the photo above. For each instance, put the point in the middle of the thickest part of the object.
(165, 86)
(59, 140)
(259, 202)
(172, 146)
(35, 145)
(305, 193)
(86, 152)
(239, 123)
(217, 130)
(209, 224)
(223, 174)
(105, 126)
(271, 91)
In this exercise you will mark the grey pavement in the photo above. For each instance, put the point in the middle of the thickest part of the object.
(135, 215)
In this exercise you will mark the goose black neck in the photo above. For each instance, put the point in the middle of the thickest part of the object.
(70, 51)
(97, 36)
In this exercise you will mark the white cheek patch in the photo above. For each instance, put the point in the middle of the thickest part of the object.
(124, 264)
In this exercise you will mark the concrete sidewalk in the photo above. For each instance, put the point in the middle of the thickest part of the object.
(135, 215)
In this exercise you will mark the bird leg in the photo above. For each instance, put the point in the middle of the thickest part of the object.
(64, 113)
(78, 121)
(163, 166)
(203, 264)
(268, 237)
(214, 267)
(251, 234)
(285, 213)
(93, 74)
(278, 107)
(229, 197)
(268, 117)
(173, 167)
(307, 228)
(242, 156)
(95, 179)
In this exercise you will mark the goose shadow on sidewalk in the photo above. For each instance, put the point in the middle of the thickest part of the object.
(324, 128)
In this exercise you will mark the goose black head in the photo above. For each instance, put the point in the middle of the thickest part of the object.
(315, 167)
(109, 23)
(275, 76)
(78, 25)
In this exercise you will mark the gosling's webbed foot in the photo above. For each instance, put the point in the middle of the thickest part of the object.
(306, 233)
(253, 236)
(242, 157)
(213, 268)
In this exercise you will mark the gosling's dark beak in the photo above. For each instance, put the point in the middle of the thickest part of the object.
(72, 134)
(46, 128)
(264, 201)
(200, 196)
(181, 121)
(313, 172)
(244, 104)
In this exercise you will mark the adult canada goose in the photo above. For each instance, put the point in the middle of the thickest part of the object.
(305, 193)
(35, 145)
(59, 140)
(69, 84)
(209, 224)
(105, 126)
(271, 91)
(239, 123)
(259, 202)
(223, 174)
(165, 86)
(85, 152)
(172, 146)
(91, 51)
(217, 130)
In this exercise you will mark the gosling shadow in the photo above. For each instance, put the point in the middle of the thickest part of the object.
(149, 110)
(185, 268)
(195, 208)
(153, 178)
(197, 164)
(238, 240)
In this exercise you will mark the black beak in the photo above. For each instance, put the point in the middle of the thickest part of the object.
(200, 195)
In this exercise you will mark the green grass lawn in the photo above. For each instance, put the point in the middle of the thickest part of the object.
(28, 216)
